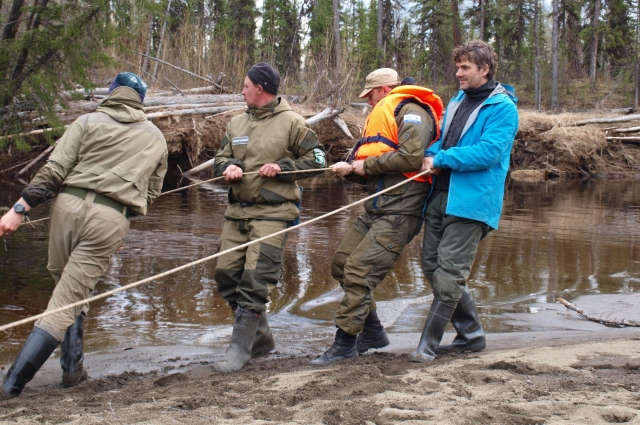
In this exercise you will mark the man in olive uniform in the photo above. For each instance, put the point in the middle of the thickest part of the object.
(268, 138)
(108, 165)
(400, 127)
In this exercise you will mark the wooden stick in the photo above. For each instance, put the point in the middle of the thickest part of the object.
(210, 110)
(325, 114)
(599, 319)
(28, 133)
(38, 158)
(174, 86)
(11, 168)
(183, 70)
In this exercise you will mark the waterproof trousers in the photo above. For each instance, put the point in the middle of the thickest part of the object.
(363, 259)
(244, 277)
(83, 237)
(448, 249)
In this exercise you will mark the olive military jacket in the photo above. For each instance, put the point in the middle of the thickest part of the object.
(386, 170)
(114, 151)
(273, 133)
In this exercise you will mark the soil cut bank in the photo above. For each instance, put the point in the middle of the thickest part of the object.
(546, 145)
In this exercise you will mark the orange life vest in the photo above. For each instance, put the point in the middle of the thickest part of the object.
(380, 133)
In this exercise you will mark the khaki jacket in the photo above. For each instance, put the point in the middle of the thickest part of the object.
(114, 151)
(386, 170)
(273, 133)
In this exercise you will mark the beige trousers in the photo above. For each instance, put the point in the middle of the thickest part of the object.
(83, 237)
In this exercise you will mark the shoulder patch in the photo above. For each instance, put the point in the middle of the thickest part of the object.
(320, 156)
(413, 118)
(241, 140)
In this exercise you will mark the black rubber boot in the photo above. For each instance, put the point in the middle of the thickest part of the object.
(344, 347)
(34, 353)
(437, 321)
(71, 355)
(263, 342)
(239, 351)
(373, 334)
(470, 335)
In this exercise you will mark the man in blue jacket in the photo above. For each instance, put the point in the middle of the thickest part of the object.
(470, 163)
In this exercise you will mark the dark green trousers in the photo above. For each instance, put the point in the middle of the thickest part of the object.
(448, 249)
(244, 277)
(363, 259)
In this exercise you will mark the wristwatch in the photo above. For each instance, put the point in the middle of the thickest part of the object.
(19, 208)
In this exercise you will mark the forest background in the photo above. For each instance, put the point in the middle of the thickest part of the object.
(561, 55)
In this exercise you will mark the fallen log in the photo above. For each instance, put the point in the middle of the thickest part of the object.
(627, 130)
(194, 111)
(191, 106)
(325, 114)
(599, 319)
(631, 140)
(608, 120)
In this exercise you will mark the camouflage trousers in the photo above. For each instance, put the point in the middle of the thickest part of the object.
(244, 277)
(363, 259)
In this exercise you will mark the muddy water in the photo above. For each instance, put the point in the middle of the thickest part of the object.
(556, 239)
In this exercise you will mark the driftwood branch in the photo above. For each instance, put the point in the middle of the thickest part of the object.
(325, 114)
(343, 126)
(599, 319)
(195, 111)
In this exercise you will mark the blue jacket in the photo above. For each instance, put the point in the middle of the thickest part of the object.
(480, 161)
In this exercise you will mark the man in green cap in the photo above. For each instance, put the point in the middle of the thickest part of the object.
(107, 166)
(269, 138)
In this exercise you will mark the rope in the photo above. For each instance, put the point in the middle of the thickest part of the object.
(202, 260)
(243, 174)
(203, 182)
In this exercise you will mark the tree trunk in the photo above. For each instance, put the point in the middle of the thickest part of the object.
(637, 67)
(481, 19)
(379, 38)
(145, 61)
(457, 36)
(536, 76)
(554, 58)
(34, 24)
(13, 20)
(336, 31)
(594, 45)
(159, 52)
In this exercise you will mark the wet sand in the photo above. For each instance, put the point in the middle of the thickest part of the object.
(572, 371)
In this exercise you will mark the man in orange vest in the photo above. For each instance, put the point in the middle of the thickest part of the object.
(403, 123)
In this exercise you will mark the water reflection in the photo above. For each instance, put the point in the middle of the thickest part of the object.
(555, 239)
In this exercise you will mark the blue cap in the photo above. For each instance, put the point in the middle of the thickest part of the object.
(129, 79)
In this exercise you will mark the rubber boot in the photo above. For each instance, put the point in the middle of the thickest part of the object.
(470, 335)
(263, 342)
(71, 355)
(34, 353)
(437, 321)
(344, 347)
(373, 334)
(244, 332)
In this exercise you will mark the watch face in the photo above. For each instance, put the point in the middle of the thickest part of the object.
(19, 208)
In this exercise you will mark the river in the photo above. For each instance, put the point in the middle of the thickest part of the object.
(556, 239)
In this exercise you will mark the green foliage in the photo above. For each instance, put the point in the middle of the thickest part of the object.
(57, 47)
(280, 36)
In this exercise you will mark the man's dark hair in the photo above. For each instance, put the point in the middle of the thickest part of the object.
(478, 52)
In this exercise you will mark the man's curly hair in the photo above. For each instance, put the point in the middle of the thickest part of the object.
(478, 52)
